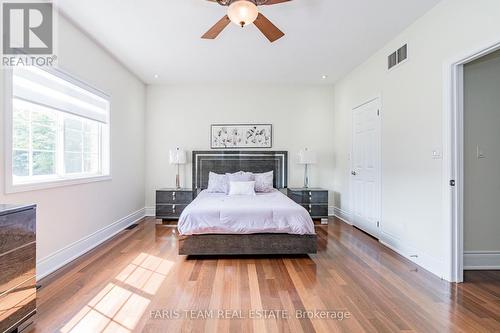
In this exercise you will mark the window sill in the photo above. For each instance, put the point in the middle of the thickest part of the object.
(9, 188)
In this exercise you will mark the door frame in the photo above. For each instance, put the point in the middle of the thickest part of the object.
(453, 146)
(351, 164)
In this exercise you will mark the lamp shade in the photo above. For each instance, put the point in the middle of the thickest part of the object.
(307, 157)
(242, 12)
(177, 156)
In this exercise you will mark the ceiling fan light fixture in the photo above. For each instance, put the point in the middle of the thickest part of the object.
(242, 12)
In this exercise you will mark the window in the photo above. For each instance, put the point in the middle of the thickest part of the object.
(59, 129)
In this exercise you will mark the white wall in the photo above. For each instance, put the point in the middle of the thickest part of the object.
(412, 112)
(69, 214)
(181, 115)
(482, 178)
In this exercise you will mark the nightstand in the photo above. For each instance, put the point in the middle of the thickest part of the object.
(170, 202)
(315, 200)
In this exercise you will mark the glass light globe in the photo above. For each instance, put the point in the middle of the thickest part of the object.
(242, 12)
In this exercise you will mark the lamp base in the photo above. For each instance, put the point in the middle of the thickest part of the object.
(177, 182)
(306, 177)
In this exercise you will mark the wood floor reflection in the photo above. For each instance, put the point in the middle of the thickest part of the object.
(136, 282)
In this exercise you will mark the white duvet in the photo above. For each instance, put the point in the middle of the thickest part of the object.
(218, 213)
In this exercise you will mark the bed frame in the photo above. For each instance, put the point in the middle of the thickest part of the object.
(253, 244)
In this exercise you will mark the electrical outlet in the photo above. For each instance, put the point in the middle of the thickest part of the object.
(436, 154)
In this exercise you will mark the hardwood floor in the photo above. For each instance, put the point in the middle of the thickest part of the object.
(137, 282)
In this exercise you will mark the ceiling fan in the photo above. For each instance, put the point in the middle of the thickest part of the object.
(243, 13)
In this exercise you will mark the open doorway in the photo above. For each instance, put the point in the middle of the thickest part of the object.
(472, 141)
(481, 163)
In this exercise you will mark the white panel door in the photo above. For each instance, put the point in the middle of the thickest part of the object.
(365, 171)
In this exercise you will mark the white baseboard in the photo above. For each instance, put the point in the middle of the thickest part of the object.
(150, 211)
(430, 263)
(56, 260)
(420, 258)
(482, 260)
(342, 214)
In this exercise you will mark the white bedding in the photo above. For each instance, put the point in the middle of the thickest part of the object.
(218, 213)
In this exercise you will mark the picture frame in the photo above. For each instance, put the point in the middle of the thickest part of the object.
(241, 136)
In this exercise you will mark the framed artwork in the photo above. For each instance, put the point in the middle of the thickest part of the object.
(241, 136)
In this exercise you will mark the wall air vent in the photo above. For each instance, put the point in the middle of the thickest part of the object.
(398, 56)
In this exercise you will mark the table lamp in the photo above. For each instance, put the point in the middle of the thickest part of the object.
(178, 157)
(306, 157)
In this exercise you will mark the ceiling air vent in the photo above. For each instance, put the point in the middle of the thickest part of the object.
(398, 56)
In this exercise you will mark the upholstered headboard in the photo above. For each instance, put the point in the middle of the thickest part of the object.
(237, 160)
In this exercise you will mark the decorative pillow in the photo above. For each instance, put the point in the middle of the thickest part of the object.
(264, 181)
(217, 183)
(242, 188)
(240, 176)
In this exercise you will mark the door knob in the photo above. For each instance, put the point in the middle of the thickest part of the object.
(353, 173)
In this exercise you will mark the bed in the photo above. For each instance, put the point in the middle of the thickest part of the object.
(265, 224)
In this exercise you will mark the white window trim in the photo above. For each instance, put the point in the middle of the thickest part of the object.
(10, 187)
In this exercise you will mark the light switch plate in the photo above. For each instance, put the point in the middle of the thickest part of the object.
(480, 153)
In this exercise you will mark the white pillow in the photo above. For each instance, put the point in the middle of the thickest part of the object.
(217, 183)
(242, 188)
(264, 181)
(239, 176)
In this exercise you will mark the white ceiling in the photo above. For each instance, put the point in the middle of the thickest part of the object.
(323, 37)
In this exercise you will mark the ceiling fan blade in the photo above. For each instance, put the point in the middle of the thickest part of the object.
(268, 29)
(217, 28)
(274, 2)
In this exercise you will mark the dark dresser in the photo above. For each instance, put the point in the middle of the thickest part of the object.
(17, 267)
(315, 200)
(171, 202)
